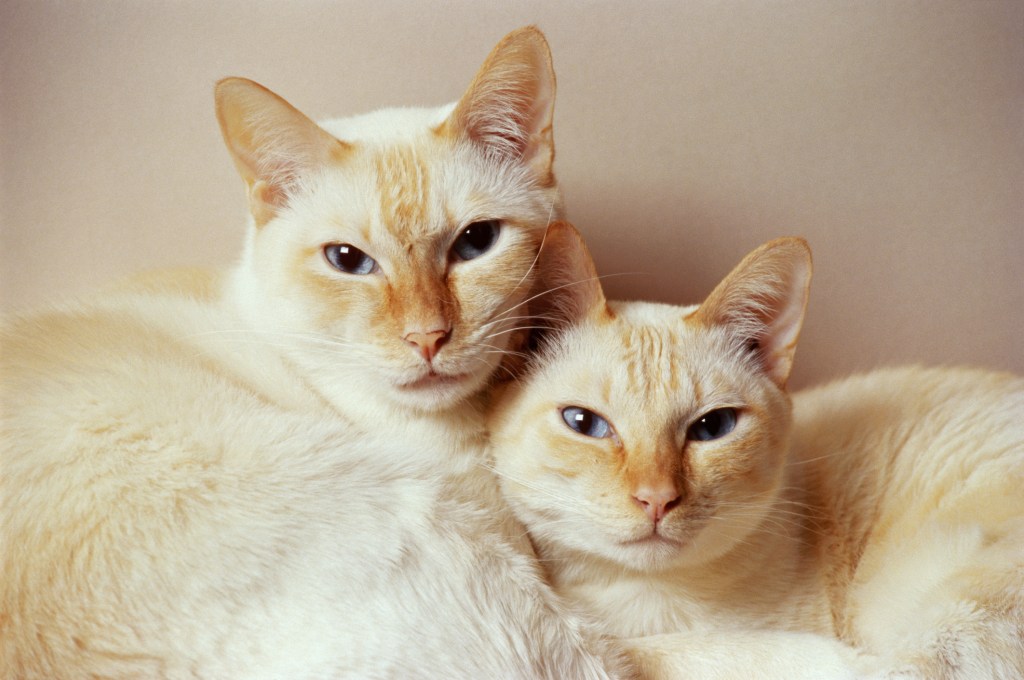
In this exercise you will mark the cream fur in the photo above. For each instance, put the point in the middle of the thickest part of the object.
(869, 528)
(253, 475)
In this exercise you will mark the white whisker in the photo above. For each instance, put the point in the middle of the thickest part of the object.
(563, 503)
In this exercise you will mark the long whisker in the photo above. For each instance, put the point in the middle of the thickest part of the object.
(561, 502)
(517, 317)
(497, 316)
(243, 334)
(570, 284)
(485, 348)
(514, 329)
(813, 460)
(342, 352)
(499, 365)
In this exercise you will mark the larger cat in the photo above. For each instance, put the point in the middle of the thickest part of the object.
(274, 473)
(873, 526)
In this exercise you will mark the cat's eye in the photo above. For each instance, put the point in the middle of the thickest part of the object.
(586, 422)
(712, 425)
(476, 239)
(349, 259)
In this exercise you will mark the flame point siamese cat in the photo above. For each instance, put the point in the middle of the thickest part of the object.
(873, 527)
(276, 472)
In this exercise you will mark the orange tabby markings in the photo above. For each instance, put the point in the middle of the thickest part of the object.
(403, 183)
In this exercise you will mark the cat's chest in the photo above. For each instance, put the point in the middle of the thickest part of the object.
(633, 607)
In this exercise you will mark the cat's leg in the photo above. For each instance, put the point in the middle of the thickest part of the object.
(747, 654)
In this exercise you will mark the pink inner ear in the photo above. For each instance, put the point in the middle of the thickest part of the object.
(498, 121)
(762, 301)
(502, 120)
(281, 173)
(508, 108)
(273, 144)
(264, 201)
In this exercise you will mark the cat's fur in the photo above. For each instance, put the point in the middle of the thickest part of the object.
(275, 472)
(875, 525)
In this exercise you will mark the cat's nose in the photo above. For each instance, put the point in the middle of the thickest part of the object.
(427, 344)
(658, 500)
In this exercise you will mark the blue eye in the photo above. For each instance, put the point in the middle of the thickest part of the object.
(349, 259)
(476, 239)
(712, 425)
(586, 422)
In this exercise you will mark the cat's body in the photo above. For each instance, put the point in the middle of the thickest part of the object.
(881, 532)
(207, 512)
(275, 472)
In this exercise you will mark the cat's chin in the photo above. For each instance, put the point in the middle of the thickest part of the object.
(435, 391)
(649, 553)
(652, 540)
(434, 381)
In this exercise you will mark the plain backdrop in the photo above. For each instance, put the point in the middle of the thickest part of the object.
(890, 133)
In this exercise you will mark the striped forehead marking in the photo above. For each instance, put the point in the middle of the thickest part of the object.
(652, 364)
(403, 183)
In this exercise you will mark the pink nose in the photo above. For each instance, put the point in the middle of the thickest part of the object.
(427, 344)
(657, 501)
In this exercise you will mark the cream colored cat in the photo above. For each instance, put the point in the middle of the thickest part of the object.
(275, 473)
(874, 526)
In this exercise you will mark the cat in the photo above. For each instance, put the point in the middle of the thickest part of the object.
(873, 527)
(275, 471)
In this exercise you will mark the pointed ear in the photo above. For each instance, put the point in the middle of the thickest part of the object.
(273, 144)
(569, 288)
(509, 106)
(762, 303)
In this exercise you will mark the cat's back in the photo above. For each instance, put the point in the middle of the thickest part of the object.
(902, 426)
(87, 331)
(918, 476)
(162, 346)
(144, 353)
(886, 450)
(147, 473)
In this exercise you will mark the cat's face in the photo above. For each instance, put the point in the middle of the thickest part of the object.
(393, 252)
(653, 435)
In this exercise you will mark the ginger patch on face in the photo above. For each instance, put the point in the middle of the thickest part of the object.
(403, 184)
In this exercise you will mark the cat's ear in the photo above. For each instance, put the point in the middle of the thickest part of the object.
(509, 106)
(570, 289)
(762, 303)
(273, 144)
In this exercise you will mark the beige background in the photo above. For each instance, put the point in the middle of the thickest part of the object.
(889, 133)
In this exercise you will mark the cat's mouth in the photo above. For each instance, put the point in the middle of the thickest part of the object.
(433, 379)
(653, 539)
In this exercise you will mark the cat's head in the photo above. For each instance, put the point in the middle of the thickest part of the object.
(651, 435)
(390, 253)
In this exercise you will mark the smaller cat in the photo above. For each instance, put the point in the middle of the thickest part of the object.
(674, 490)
